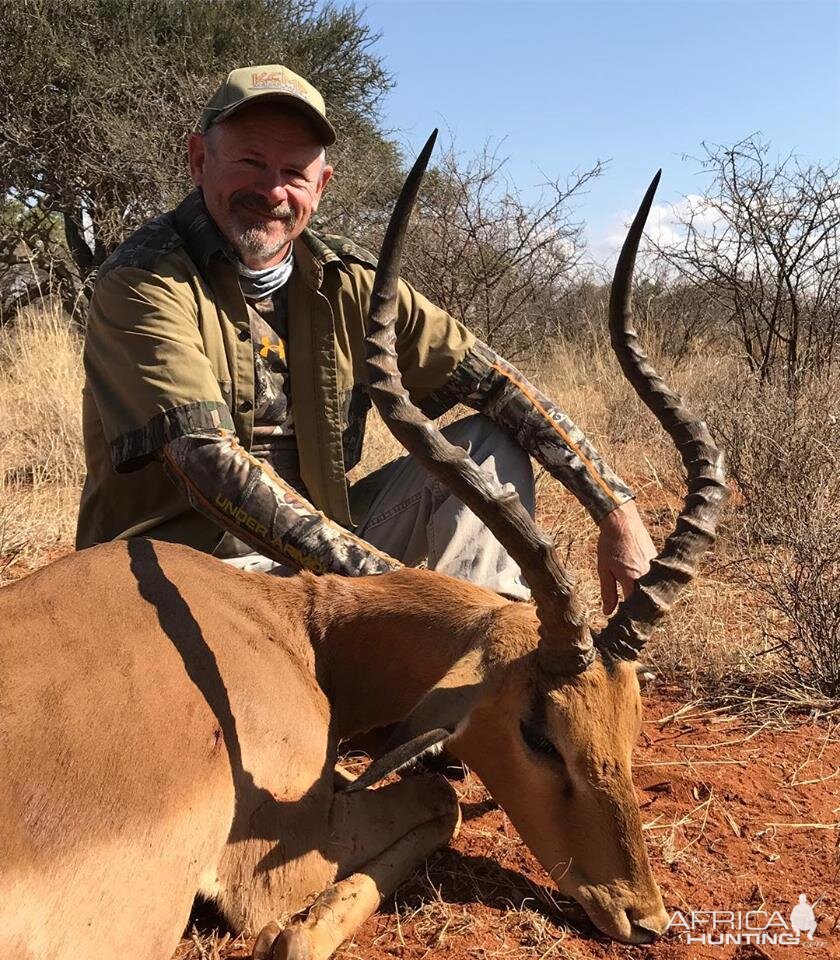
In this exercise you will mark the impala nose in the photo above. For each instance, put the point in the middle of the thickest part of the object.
(648, 928)
(640, 934)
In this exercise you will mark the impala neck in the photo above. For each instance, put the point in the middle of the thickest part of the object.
(385, 641)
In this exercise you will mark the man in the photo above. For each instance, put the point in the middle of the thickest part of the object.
(225, 393)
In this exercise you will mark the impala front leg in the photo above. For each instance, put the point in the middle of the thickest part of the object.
(381, 837)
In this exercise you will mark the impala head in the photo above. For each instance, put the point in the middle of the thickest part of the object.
(546, 713)
(555, 753)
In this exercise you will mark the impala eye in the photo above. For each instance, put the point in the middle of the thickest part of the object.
(539, 742)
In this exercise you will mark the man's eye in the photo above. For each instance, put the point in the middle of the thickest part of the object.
(538, 742)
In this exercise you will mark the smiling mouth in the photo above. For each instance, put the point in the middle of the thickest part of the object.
(263, 214)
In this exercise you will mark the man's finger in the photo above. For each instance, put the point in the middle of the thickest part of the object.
(609, 591)
(627, 585)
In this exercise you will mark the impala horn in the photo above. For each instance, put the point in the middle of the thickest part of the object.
(565, 645)
(631, 625)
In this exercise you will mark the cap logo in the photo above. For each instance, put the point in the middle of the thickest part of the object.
(275, 81)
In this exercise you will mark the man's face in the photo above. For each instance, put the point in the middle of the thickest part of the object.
(262, 172)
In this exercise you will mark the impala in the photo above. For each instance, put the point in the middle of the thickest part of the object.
(170, 726)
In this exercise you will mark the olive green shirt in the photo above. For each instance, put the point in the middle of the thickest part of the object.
(168, 351)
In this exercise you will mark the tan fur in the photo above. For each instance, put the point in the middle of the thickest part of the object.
(170, 726)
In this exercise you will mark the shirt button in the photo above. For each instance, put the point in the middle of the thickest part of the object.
(244, 335)
(245, 406)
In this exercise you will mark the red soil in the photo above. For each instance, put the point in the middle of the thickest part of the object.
(741, 814)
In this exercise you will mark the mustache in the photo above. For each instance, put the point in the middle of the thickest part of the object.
(254, 202)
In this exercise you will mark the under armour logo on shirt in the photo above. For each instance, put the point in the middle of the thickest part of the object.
(267, 347)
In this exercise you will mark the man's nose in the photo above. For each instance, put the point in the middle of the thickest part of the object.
(273, 189)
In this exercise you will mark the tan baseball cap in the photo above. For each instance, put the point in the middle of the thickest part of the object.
(247, 85)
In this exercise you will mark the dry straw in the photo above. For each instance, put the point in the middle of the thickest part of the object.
(756, 626)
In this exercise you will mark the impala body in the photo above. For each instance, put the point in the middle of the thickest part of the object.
(170, 726)
(179, 733)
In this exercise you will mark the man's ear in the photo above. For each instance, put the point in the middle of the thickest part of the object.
(323, 180)
(436, 717)
(197, 150)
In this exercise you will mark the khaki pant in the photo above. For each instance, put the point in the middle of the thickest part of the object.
(413, 517)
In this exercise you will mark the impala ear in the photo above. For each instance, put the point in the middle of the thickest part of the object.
(397, 757)
(435, 718)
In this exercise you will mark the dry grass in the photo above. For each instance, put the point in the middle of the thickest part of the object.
(765, 610)
(211, 945)
(784, 453)
(715, 638)
(41, 458)
(723, 636)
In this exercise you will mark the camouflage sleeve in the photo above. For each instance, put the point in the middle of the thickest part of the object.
(246, 498)
(486, 382)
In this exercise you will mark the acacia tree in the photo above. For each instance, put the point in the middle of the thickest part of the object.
(763, 245)
(98, 98)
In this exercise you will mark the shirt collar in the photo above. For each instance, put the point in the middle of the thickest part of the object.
(201, 235)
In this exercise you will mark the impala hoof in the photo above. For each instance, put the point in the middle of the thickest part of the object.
(265, 941)
(292, 944)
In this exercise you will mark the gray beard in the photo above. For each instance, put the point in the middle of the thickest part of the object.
(254, 243)
(252, 240)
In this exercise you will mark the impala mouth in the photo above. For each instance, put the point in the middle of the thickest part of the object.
(640, 934)
(626, 924)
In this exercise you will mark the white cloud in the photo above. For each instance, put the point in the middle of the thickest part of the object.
(665, 227)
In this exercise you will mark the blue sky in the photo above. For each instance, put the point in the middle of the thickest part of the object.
(639, 83)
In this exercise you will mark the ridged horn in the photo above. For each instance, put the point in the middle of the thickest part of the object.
(565, 641)
(654, 593)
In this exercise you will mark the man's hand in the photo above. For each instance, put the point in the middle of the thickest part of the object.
(624, 553)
